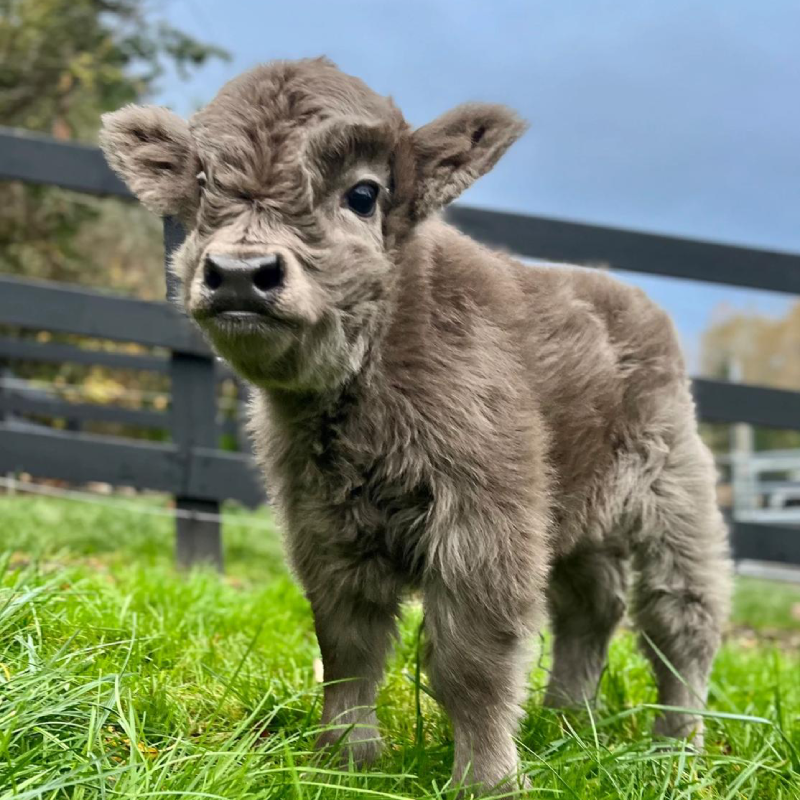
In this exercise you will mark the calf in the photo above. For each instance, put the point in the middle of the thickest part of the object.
(434, 415)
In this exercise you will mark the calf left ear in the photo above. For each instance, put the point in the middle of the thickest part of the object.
(453, 151)
(151, 149)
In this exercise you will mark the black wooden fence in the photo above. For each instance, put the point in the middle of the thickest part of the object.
(191, 467)
(200, 475)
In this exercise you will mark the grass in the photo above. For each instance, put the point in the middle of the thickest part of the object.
(120, 677)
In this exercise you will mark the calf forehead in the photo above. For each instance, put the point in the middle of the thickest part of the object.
(250, 137)
(272, 104)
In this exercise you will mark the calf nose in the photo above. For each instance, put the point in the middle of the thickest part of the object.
(237, 283)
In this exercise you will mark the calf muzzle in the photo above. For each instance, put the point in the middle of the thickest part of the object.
(242, 284)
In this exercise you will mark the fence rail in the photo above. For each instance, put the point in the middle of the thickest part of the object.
(200, 473)
(191, 467)
(57, 353)
(722, 401)
(67, 309)
(631, 251)
(33, 158)
(40, 404)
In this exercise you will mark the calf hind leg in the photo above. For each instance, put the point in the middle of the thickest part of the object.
(587, 599)
(682, 587)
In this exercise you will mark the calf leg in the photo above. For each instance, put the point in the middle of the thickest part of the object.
(683, 585)
(587, 599)
(477, 665)
(354, 636)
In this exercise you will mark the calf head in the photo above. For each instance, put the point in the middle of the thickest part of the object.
(298, 187)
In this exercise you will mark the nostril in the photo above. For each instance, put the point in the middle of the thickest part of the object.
(212, 277)
(269, 274)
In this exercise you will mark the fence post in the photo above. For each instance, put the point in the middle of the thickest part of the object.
(743, 478)
(5, 374)
(193, 423)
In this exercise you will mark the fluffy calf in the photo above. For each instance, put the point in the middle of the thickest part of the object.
(434, 415)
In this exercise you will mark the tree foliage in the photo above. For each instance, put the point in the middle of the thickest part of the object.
(62, 64)
(763, 351)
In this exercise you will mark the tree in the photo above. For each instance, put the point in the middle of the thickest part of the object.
(766, 352)
(62, 64)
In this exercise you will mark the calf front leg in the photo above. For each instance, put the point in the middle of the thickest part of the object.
(354, 636)
(477, 661)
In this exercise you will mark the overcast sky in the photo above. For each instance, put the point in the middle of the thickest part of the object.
(678, 116)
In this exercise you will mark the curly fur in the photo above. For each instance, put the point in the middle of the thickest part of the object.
(433, 415)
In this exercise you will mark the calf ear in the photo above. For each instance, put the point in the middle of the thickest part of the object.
(453, 151)
(151, 149)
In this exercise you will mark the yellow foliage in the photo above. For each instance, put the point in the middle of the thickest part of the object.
(765, 350)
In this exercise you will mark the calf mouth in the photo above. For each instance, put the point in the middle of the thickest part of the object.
(240, 317)
(241, 321)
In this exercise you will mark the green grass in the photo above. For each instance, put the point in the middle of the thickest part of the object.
(120, 677)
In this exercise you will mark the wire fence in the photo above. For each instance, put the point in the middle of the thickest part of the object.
(14, 485)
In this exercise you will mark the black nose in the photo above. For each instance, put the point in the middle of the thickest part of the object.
(242, 284)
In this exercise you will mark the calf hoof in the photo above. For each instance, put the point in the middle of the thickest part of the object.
(681, 726)
(361, 746)
(511, 786)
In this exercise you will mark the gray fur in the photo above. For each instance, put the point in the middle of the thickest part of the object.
(434, 415)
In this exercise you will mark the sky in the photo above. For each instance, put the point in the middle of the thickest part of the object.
(679, 117)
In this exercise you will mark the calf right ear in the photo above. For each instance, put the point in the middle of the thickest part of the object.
(151, 149)
(454, 150)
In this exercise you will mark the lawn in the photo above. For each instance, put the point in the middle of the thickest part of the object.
(120, 677)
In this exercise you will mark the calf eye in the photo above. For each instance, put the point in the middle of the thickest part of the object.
(362, 198)
(201, 179)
